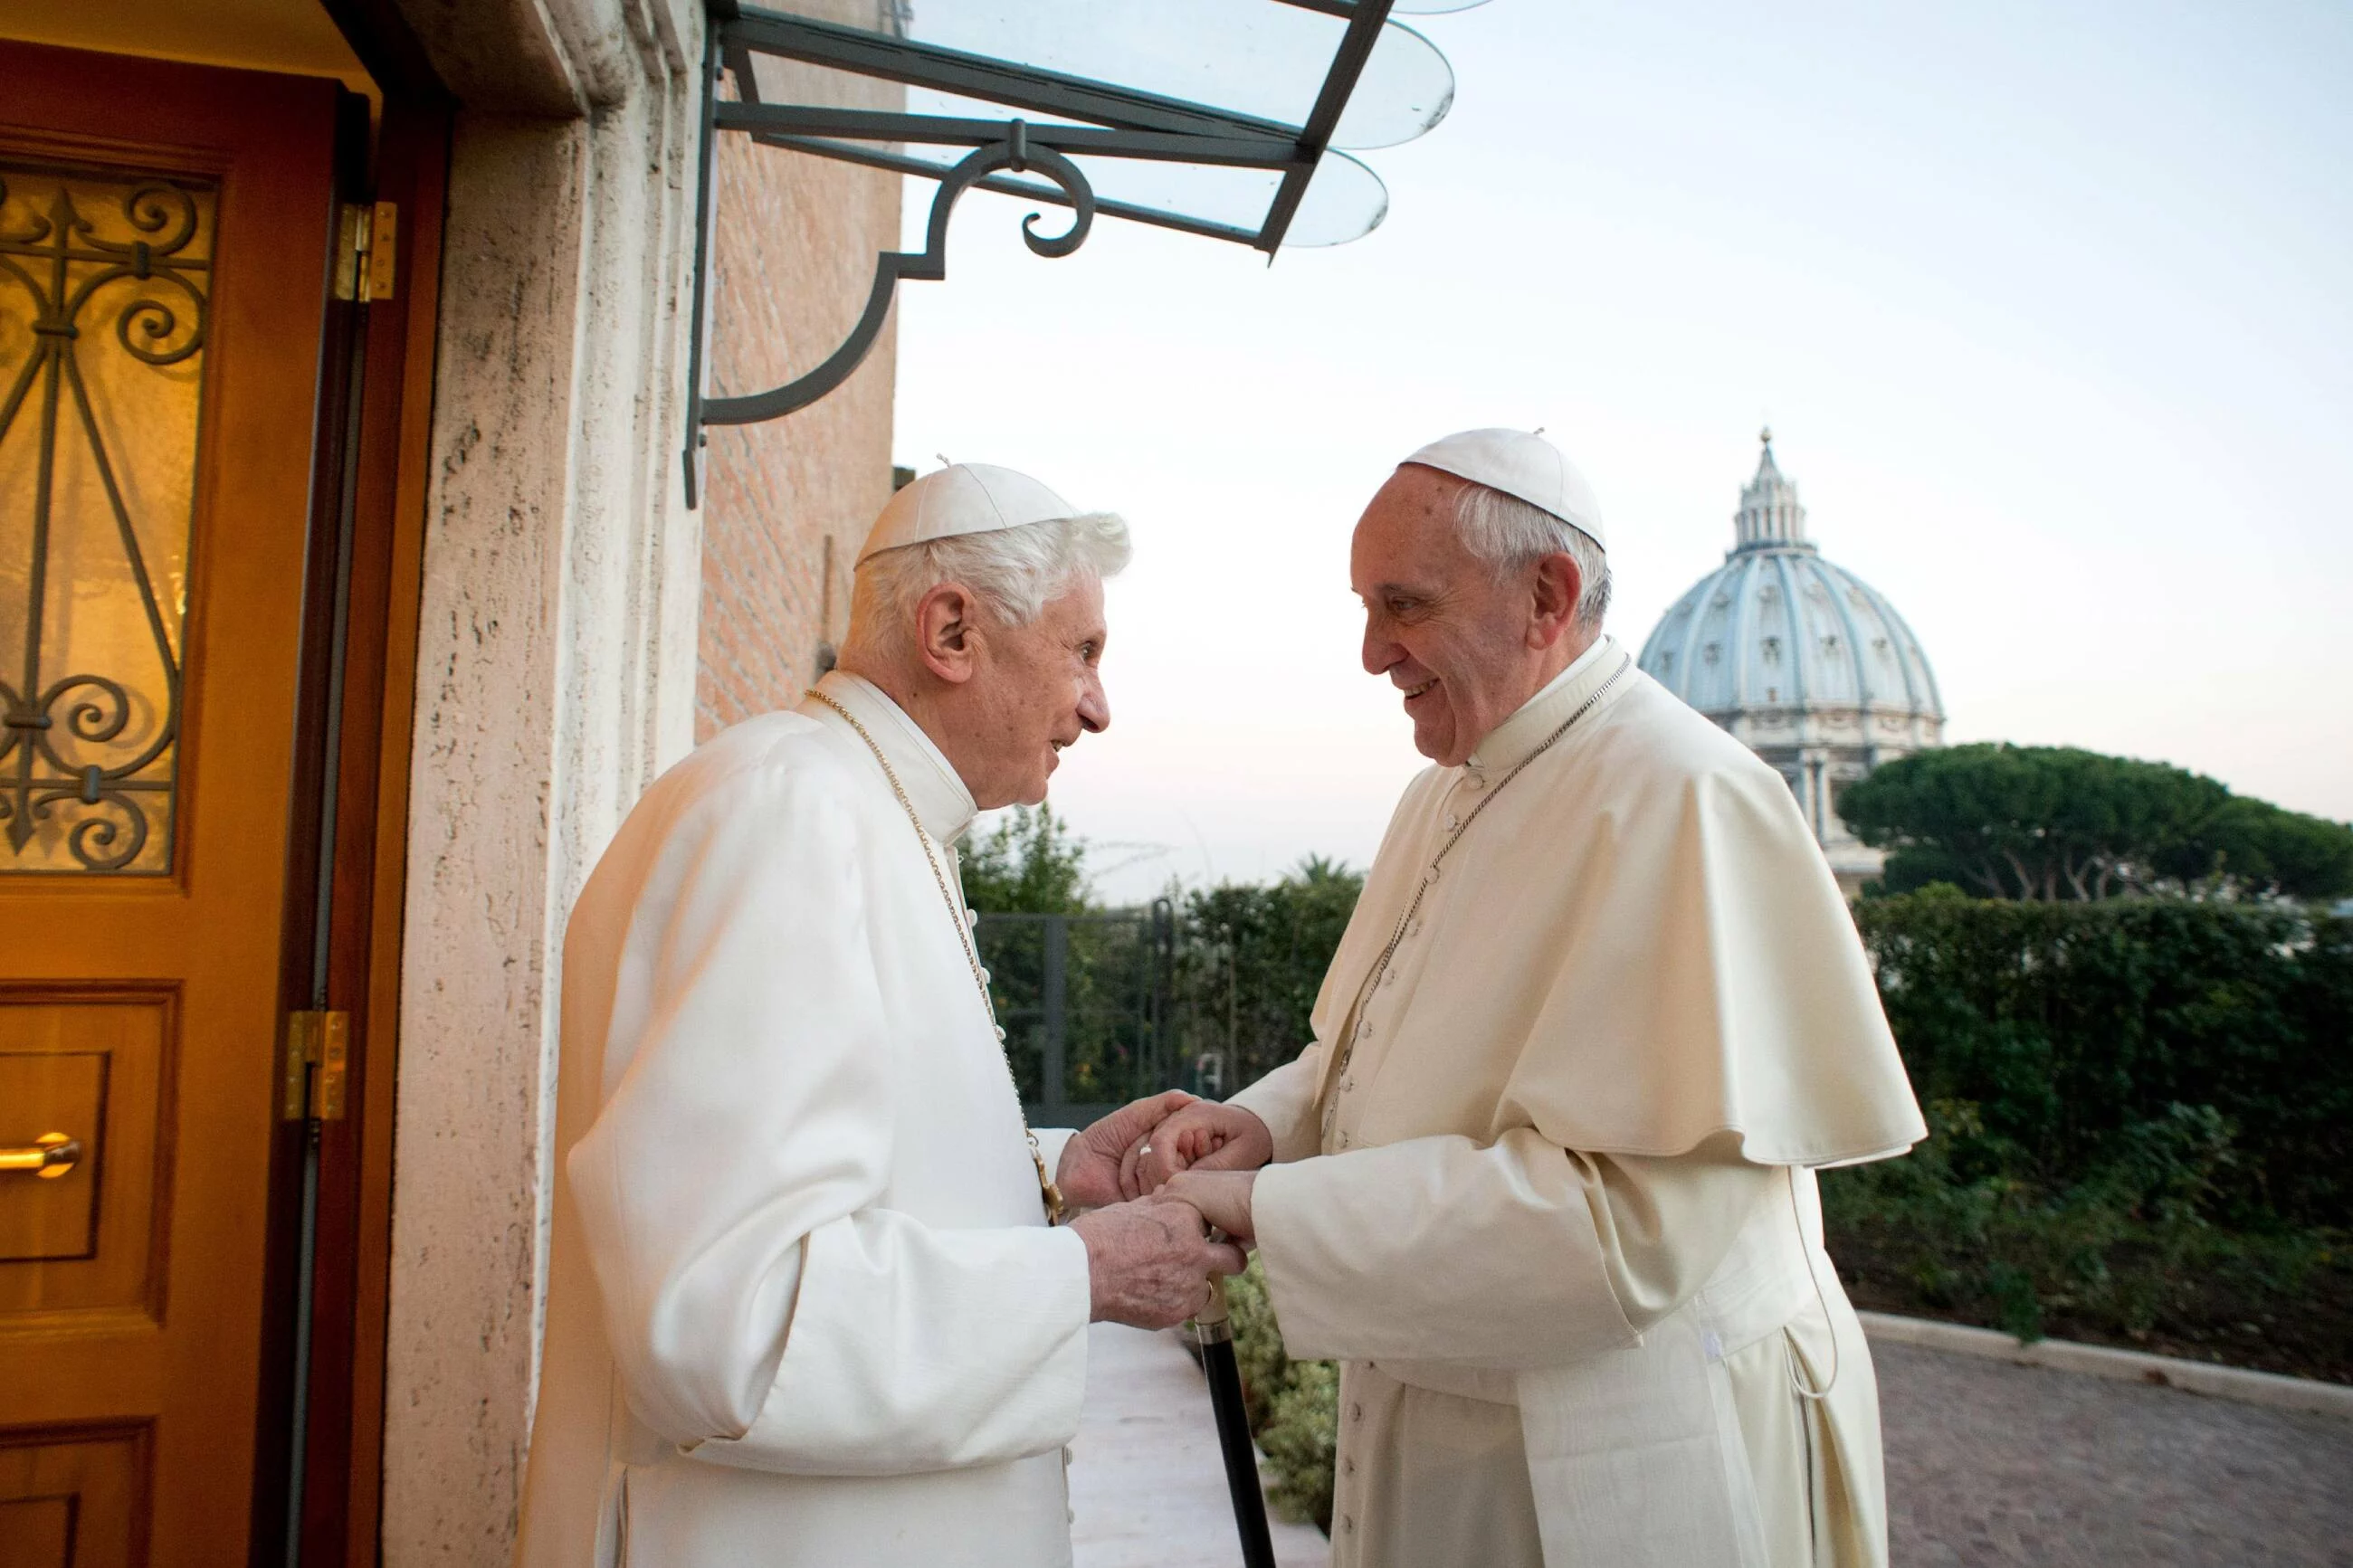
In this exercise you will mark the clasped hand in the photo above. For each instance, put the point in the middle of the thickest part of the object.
(1155, 1175)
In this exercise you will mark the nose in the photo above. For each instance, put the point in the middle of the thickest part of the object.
(1094, 708)
(1380, 653)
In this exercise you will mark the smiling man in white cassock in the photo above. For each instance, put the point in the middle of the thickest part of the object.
(1543, 1182)
(806, 1306)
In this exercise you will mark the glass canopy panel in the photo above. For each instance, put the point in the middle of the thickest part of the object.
(1344, 201)
(811, 85)
(1255, 57)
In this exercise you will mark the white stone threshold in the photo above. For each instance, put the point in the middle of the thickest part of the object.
(2131, 1366)
(1147, 1485)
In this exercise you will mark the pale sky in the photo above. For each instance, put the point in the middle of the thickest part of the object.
(2051, 310)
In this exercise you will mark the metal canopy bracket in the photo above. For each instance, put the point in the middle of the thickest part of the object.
(1013, 157)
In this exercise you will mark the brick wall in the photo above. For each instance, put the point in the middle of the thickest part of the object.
(788, 502)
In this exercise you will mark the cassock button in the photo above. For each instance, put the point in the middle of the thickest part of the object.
(1000, 1033)
(1347, 1524)
(1452, 822)
(972, 917)
(1347, 1466)
(1433, 875)
(1355, 1413)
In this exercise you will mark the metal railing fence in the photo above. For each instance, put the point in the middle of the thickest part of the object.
(1085, 1003)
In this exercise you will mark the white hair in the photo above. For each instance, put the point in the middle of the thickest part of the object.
(1014, 572)
(1508, 533)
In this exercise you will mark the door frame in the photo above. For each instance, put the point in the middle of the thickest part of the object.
(385, 468)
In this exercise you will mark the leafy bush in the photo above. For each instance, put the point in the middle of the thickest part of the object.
(2080, 1034)
(2138, 1115)
(2127, 1252)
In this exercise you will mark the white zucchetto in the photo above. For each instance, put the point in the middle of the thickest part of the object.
(1522, 465)
(962, 498)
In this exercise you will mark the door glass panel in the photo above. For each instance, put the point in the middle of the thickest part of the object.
(104, 296)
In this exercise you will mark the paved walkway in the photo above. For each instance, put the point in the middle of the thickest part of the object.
(1147, 1487)
(1989, 1465)
(1992, 1464)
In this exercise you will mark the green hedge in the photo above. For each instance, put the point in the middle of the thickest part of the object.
(2091, 1038)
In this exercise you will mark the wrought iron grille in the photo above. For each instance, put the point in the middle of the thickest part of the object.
(104, 307)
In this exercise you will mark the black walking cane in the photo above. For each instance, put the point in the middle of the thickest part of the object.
(1215, 1326)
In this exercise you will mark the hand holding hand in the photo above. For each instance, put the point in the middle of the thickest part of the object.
(1223, 1198)
(1205, 1135)
(1089, 1170)
(1148, 1263)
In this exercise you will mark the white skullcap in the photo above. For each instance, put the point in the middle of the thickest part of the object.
(1521, 465)
(961, 499)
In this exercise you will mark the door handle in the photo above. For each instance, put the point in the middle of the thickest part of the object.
(52, 1155)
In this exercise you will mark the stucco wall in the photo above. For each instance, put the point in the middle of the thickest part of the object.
(554, 677)
(790, 502)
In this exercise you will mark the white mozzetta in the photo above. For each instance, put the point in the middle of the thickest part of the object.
(1800, 660)
(804, 1307)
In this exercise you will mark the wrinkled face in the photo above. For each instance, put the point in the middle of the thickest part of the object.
(1035, 690)
(1446, 630)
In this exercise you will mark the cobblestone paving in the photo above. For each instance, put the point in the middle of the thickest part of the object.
(1991, 1464)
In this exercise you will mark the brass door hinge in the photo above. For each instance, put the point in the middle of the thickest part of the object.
(365, 252)
(318, 1065)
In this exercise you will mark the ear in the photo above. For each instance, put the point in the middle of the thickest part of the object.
(947, 634)
(1552, 603)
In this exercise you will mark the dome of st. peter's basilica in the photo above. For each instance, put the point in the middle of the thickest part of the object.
(1800, 660)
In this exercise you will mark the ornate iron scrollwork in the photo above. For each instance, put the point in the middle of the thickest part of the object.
(930, 265)
(62, 738)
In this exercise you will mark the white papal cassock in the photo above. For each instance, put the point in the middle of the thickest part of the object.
(803, 1307)
(1555, 1210)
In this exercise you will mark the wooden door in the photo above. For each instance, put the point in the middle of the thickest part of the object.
(165, 237)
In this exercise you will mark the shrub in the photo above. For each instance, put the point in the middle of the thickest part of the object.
(2089, 1039)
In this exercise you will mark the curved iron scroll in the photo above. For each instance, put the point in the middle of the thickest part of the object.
(929, 266)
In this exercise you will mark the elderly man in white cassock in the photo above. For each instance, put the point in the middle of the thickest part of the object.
(806, 1307)
(1543, 1182)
